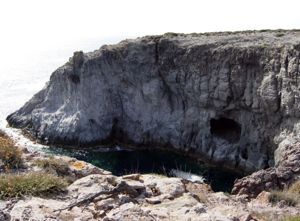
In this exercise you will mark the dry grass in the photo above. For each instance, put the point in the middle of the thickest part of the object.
(32, 184)
(289, 199)
(52, 165)
(290, 196)
(295, 188)
(10, 154)
(291, 218)
(262, 216)
(269, 216)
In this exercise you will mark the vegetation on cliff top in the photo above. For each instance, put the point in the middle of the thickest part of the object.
(35, 184)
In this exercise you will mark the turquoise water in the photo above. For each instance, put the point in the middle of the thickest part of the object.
(146, 161)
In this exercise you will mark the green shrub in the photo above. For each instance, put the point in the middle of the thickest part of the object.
(32, 184)
(53, 165)
(10, 155)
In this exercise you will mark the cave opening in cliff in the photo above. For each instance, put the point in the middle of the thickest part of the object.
(226, 129)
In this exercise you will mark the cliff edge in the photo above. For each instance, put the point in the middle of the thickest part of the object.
(229, 98)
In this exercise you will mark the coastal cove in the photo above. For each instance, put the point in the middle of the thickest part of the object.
(160, 127)
(127, 161)
(149, 110)
(30, 73)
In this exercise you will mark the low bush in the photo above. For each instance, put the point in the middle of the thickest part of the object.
(291, 195)
(30, 184)
(10, 154)
(280, 34)
(288, 198)
(264, 30)
(53, 165)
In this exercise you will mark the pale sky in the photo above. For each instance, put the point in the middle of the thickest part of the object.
(36, 23)
(37, 36)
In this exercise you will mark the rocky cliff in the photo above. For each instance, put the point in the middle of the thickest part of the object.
(230, 98)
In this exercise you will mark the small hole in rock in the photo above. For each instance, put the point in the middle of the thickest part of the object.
(244, 154)
(226, 129)
(74, 78)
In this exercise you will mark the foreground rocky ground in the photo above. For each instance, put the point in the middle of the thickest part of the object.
(95, 194)
(143, 197)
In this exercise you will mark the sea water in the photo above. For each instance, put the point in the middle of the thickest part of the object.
(122, 161)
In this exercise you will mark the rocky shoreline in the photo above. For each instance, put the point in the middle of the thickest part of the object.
(95, 194)
(229, 98)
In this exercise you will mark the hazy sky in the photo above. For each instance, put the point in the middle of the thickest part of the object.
(37, 36)
(36, 23)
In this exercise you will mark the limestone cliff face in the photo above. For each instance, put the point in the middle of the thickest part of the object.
(227, 97)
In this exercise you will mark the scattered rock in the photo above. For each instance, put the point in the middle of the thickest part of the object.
(175, 200)
(279, 177)
(263, 197)
(132, 177)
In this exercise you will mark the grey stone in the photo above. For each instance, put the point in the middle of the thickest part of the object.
(167, 90)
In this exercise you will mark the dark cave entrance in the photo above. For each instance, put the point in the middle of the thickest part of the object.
(226, 129)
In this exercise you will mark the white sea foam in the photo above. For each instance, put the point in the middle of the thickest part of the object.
(187, 176)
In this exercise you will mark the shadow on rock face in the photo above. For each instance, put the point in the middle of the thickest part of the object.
(226, 129)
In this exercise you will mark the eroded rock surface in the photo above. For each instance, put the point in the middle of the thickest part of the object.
(287, 171)
(178, 201)
(227, 97)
